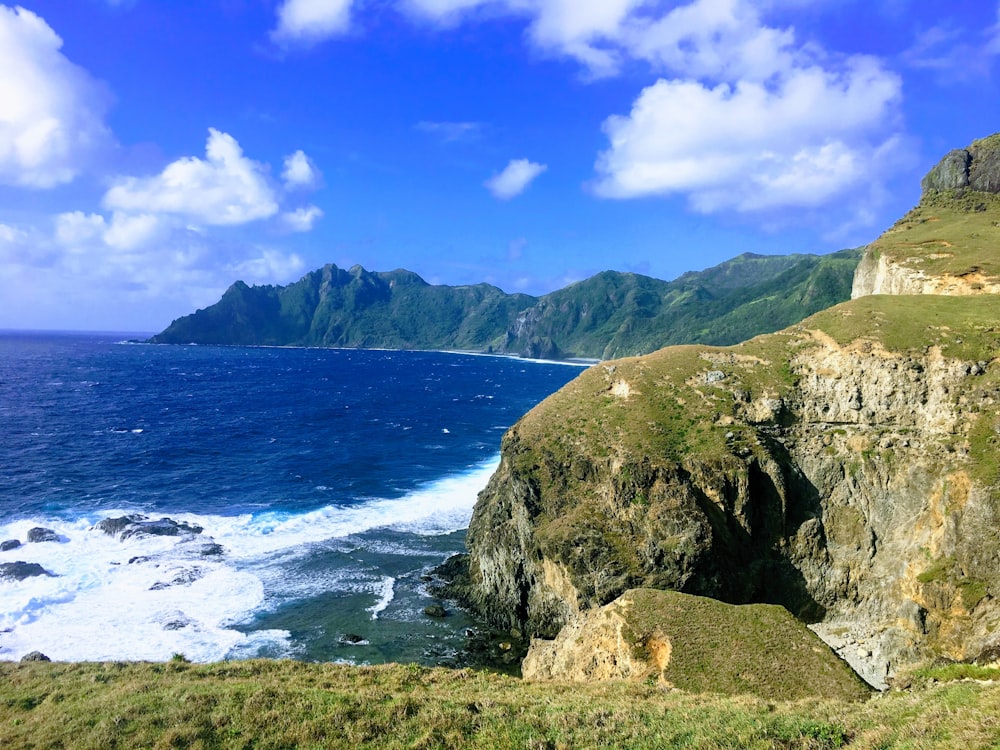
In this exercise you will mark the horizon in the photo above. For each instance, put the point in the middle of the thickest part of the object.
(154, 153)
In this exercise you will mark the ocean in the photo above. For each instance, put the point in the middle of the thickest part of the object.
(309, 493)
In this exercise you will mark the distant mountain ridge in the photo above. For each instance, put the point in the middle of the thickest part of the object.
(611, 314)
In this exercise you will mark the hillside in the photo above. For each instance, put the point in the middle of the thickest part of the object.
(610, 314)
(281, 704)
(846, 468)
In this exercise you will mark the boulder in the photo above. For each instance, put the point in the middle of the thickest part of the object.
(9, 545)
(35, 656)
(126, 527)
(39, 534)
(435, 610)
(18, 571)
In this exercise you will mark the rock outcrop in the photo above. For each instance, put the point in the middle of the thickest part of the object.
(19, 570)
(695, 644)
(847, 468)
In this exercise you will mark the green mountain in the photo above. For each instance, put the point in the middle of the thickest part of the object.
(610, 314)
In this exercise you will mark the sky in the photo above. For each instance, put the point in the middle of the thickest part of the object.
(152, 152)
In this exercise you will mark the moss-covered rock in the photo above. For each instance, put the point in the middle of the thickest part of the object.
(696, 644)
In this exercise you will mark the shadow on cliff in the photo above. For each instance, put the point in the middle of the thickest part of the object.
(752, 545)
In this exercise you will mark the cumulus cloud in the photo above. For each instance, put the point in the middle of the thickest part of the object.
(300, 172)
(514, 179)
(132, 231)
(51, 111)
(582, 29)
(164, 242)
(302, 219)
(225, 188)
(75, 228)
(306, 22)
(748, 146)
(749, 120)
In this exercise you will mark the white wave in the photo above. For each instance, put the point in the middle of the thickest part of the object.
(386, 593)
(98, 606)
(441, 507)
(170, 599)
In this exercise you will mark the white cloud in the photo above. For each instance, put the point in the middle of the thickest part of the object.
(225, 188)
(747, 146)
(300, 172)
(582, 29)
(302, 219)
(132, 231)
(267, 266)
(751, 120)
(51, 111)
(451, 131)
(514, 179)
(310, 21)
(993, 36)
(76, 228)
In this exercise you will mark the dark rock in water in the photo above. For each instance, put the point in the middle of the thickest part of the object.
(9, 545)
(18, 571)
(115, 526)
(176, 620)
(35, 656)
(211, 550)
(38, 534)
(139, 559)
(353, 639)
(126, 527)
(455, 582)
(181, 579)
(435, 610)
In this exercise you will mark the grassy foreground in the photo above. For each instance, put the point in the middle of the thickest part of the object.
(283, 704)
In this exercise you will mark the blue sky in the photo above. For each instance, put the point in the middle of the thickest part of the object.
(154, 151)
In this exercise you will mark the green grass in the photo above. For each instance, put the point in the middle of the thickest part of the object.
(961, 230)
(279, 704)
(755, 648)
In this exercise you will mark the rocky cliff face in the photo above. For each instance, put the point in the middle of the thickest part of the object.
(846, 468)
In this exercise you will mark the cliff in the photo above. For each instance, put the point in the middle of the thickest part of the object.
(947, 244)
(845, 468)
(610, 314)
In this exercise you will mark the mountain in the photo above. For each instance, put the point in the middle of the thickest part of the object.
(846, 467)
(610, 314)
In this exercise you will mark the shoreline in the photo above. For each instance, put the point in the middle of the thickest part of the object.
(582, 362)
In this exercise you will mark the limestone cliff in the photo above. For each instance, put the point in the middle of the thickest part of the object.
(846, 468)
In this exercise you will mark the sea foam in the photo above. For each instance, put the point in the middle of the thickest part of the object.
(149, 597)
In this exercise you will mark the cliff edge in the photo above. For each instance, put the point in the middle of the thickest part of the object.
(946, 244)
(846, 468)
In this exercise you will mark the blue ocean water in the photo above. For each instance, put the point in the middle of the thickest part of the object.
(333, 481)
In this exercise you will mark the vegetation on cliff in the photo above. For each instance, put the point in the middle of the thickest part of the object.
(281, 704)
(610, 314)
